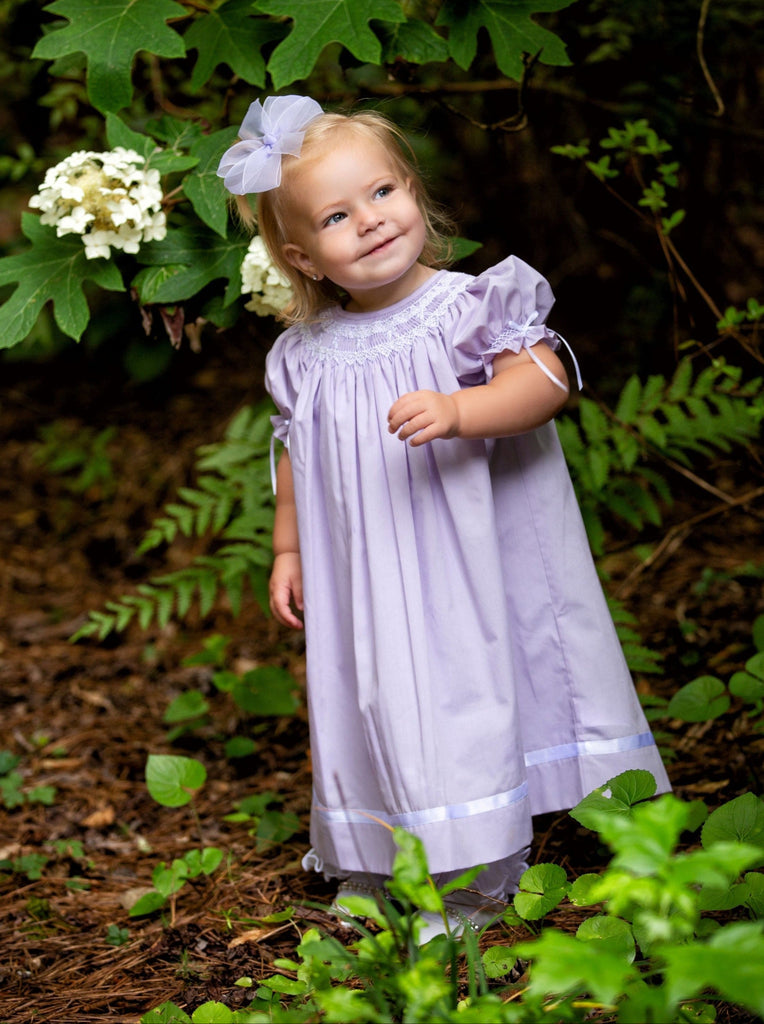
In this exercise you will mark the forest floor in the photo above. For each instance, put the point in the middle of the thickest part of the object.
(83, 717)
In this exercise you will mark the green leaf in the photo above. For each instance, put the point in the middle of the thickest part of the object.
(204, 188)
(53, 269)
(609, 933)
(414, 41)
(542, 887)
(498, 961)
(740, 819)
(192, 260)
(320, 22)
(700, 700)
(583, 891)
(147, 904)
(509, 25)
(213, 1012)
(730, 963)
(267, 690)
(190, 704)
(229, 34)
(166, 1013)
(110, 33)
(563, 964)
(172, 780)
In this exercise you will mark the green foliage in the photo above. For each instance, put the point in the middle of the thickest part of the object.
(652, 917)
(173, 782)
(13, 792)
(79, 455)
(266, 824)
(638, 147)
(236, 44)
(232, 500)
(612, 456)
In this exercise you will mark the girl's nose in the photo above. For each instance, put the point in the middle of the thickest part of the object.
(369, 218)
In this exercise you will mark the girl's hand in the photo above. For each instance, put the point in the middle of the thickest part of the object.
(423, 416)
(285, 589)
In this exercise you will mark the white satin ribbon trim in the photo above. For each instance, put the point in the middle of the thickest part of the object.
(523, 330)
(430, 815)
(589, 748)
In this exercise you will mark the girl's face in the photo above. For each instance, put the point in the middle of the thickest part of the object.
(356, 221)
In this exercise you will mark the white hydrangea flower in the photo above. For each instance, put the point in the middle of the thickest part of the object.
(270, 290)
(107, 198)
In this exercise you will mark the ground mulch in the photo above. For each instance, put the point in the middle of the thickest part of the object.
(84, 717)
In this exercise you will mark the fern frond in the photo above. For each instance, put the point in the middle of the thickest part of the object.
(231, 502)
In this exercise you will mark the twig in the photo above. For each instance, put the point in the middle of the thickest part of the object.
(699, 41)
(677, 535)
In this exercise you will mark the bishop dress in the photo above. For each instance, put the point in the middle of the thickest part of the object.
(463, 669)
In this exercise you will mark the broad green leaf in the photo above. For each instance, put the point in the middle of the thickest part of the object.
(583, 891)
(498, 961)
(164, 160)
(730, 963)
(53, 269)
(147, 904)
(563, 964)
(542, 887)
(510, 27)
(413, 41)
(192, 259)
(630, 787)
(172, 780)
(204, 188)
(700, 700)
(166, 1013)
(267, 690)
(611, 933)
(190, 704)
(753, 885)
(320, 22)
(169, 880)
(229, 34)
(213, 1012)
(740, 819)
(110, 33)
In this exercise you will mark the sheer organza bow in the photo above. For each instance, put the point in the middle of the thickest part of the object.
(268, 131)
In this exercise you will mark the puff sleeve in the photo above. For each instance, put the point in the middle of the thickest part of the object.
(283, 371)
(503, 309)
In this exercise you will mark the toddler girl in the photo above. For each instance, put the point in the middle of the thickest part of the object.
(464, 673)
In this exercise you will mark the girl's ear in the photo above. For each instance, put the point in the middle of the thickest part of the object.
(299, 258)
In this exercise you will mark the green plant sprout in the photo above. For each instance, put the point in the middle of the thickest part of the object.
(654, 913)
(173, 781)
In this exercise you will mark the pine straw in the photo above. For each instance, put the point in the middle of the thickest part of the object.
(100, 709)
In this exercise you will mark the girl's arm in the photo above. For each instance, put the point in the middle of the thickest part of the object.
(518, 398)
(285, 586)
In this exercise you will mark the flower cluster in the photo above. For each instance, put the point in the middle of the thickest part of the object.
(108, 198)
(269, 288)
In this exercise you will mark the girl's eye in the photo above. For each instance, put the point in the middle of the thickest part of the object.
(334, 219)
(384, 191)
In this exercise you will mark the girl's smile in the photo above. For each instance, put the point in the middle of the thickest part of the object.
(358, 223)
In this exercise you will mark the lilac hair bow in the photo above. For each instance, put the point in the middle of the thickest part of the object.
(268, 131)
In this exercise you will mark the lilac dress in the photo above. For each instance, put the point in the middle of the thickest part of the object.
(463, 669)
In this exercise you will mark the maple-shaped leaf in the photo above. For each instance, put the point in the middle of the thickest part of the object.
(510, 27)
(163, 159)
(230, 35)
(320, 22)
(185, 262)
(52, 269)
(110, 33)
(415, 42)
(204, 188)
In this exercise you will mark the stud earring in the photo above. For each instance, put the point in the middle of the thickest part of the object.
(315, 277)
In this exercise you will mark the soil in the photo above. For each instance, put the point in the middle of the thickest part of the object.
(83, 717)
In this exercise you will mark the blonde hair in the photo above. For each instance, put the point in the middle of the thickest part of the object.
(271, 216)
